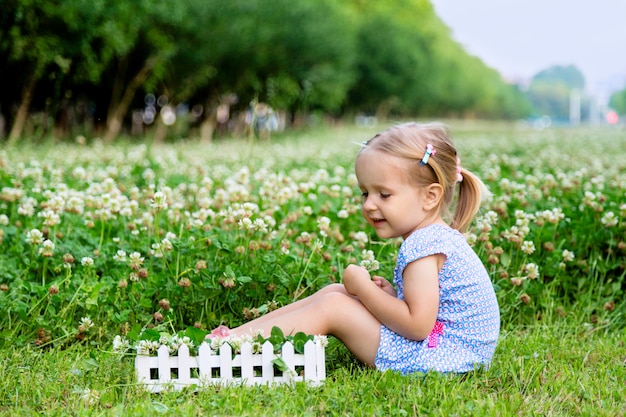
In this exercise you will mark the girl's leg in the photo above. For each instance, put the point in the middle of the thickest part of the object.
(259, 323)
(330, 311)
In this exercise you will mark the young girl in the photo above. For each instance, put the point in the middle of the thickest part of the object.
(442, 314)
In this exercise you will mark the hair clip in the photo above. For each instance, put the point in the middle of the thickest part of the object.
(429, 151)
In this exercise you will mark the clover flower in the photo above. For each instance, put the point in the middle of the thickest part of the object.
(4, 220)
(120, 256)
(567, 255)
(89, 397)
(321, 339)
(551, 216)
(245, 224)
(609, 219)
(34, 237)
(175, 342)
(147, 347)
(368, 261)
(528, 247)
(532, 270)
(85, 325)
(120, 344)
(86, 261)
(27, 207)
(159, 201)
(47, 249)
(156, 251)
(135, 260)
(343, 214)
(259, 224)
(361, 239)
(317, 245)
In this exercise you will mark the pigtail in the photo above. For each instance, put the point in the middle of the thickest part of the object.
(472, 192)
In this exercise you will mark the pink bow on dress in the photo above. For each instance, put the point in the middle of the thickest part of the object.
(433, 337)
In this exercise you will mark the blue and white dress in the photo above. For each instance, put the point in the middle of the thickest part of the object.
(468, 321)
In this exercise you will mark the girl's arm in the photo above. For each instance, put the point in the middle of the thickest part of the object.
(384, 285)
(415, 316)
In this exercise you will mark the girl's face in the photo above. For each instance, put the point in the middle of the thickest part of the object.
(391, 203)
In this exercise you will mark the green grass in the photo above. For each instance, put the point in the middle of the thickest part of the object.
(560, 369)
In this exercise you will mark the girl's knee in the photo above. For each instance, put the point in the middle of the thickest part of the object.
(339, 288)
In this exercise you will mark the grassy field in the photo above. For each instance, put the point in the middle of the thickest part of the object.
(552, 238)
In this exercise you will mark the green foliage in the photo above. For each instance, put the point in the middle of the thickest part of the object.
(87, 63)
(550, 90)
(569, 76)
(181, 236)
(618, 101)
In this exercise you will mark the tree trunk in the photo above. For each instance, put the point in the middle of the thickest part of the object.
(207, 127)
(22, 111)
(118, 110)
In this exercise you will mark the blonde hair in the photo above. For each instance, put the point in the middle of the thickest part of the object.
(408, 141)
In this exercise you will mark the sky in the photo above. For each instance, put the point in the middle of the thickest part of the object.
(519, 38)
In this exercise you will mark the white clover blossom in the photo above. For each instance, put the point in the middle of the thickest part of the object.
(157, 251)
(259, 224)
(89, 397)
(47, 249)
(50, 217)
(567, 255)
(343, 214)
(27, 207)
(532, 270)
(368, 261)
(361, 239)
(321, 339)
(166, 245)
(175, 342)
(159, 201)
(86, 261)
(120, 256)
(317, 245)
(85, 324)
(471, 238)
(323, 223)
(609, 219)
(135, 260)
(551, 216)
(34, 237)
(528, 247)
(147, 347)
(245, 224)
(120, 344)
(4, 220)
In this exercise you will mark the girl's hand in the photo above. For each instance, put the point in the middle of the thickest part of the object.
(354, 276)
(384, 285)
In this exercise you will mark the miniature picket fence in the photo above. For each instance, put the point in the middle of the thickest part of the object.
(163, 372)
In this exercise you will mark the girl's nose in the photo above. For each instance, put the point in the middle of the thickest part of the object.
(368, 204)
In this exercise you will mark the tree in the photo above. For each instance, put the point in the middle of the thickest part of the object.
(618, 101)
(549, 90)
(293, 55)
(33, 43)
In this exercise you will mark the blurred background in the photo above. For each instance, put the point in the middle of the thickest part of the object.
(210, 69)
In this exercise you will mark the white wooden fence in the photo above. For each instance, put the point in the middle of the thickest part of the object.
(163, 371)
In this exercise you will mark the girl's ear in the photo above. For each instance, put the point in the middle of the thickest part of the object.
(433, 194)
